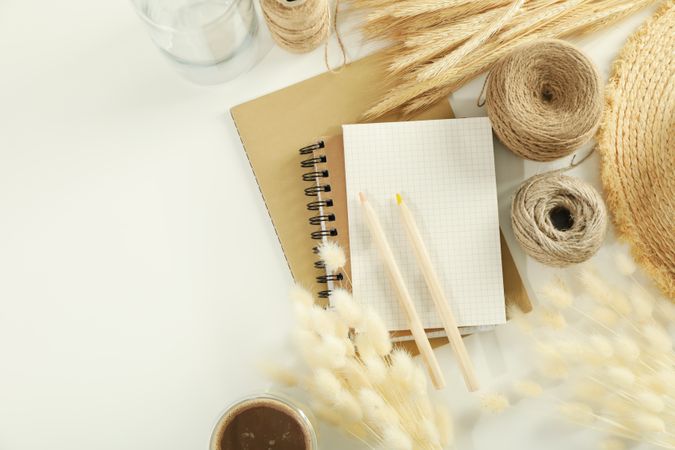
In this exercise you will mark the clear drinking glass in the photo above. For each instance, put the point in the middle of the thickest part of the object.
(208, 41)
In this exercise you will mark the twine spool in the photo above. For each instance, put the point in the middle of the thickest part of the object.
(298, 26)
(558, 220)
(544, 100)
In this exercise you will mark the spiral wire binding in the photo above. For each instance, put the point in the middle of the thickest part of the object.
(313, 191)
(309, 163)
(316, 220)
(313, 176)
(320, 206)
(320, 234)
(310, 148)
(317, 205)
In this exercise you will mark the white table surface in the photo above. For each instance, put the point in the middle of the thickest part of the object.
(140, 277)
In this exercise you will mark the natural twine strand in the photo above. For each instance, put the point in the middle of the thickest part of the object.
(297, 26)
(338, 38)
(543, 237)
(544, 100)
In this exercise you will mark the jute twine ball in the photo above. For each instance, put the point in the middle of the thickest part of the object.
(544, 100)
(558, 220)
(298, 26)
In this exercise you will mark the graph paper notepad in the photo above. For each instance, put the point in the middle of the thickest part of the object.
(445, 171)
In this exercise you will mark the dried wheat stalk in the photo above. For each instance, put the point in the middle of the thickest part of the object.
(439, 45)
(573, 22)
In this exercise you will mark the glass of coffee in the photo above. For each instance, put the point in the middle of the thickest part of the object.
(263, 422)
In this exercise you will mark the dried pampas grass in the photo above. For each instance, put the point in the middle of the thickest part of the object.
(439, 45)
(528, 388)
(350, 312)
(332, 255)
(612, 368)
(612, 444)
(361, 385)
(493, 403)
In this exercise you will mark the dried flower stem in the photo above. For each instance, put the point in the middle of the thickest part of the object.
(624, 375)
(376, 396)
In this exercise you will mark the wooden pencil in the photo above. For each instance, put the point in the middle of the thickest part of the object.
(396, 278)
(438, 295)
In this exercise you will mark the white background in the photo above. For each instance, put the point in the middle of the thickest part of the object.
(140, 277)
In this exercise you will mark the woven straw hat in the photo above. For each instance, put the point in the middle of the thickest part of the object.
(637, 144)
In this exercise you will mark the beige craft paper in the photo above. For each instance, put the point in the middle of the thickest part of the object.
(272, 128)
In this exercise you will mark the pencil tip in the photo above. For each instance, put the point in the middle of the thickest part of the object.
(399, 200)
(362, 197)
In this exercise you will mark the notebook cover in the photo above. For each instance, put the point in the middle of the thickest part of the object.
(273, 127)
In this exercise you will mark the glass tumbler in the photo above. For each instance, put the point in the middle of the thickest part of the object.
(297, 429)
(207, 41)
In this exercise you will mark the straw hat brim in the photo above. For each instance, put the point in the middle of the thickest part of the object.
(637, 144)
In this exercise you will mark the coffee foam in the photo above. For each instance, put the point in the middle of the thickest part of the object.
(264, 402)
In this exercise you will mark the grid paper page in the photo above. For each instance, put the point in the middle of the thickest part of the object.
(444, 169)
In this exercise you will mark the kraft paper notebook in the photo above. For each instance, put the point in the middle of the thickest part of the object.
(274, 127)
